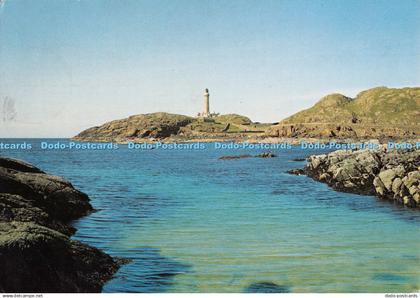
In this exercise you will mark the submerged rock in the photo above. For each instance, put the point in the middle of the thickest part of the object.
(267, 287)
(391, 175)
(235, 157)
(36, 252)
(297, 172)
(265, 155)
(261, 155)
(299, 159)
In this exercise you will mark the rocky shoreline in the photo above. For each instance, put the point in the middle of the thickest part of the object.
(392, 175)
(36, 252)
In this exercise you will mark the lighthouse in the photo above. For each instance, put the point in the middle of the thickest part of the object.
(205, 115)
(206, 112)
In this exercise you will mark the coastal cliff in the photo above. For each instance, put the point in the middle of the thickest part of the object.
(36, 252)
(390, 175)
(380, 113)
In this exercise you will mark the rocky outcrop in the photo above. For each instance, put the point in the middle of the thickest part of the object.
(173, 128)
(36, 252)
(342, 131)
(154, 125)
(261, 155)
(391, 175)
(381, 113)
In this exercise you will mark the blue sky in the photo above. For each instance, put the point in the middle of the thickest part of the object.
(72, 64)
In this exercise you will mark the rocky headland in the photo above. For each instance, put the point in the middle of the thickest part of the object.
(391, 175)
(168, 127)
(36, 251)
(381, 113)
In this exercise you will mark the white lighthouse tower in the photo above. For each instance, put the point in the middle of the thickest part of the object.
(205, 115)
(206, 112)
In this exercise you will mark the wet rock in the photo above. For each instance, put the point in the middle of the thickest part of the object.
(38, 259)
(298, 159)
(297, 172)
(235, 157)
(261, 155)
(18, 165)
(265, 155)
(54, 194)
(36, 253)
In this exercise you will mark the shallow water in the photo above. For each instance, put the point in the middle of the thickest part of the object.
(193, 223)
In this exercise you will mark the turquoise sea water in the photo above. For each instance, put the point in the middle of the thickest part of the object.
(193, 223)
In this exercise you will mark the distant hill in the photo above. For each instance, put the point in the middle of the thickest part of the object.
(159, 126)
(374, 113)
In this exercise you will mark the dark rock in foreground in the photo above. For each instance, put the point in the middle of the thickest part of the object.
(391, 175)
(36, 252)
